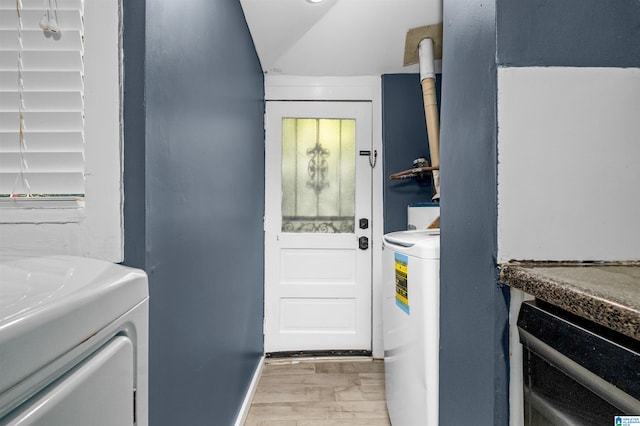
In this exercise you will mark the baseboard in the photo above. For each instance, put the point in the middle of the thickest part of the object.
(246, 404)
(319, 354)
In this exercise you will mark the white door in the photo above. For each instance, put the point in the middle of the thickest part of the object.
(317, 213)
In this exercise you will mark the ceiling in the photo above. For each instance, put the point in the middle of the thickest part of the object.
(336, 37)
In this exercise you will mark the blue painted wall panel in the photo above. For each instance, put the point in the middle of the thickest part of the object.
(203, 172)
(582, 33)
(404, 138)
(474, 309)
(134, 133)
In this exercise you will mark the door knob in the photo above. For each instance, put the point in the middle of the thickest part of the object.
(364, 223)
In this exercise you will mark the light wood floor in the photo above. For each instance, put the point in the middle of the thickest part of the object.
(320, 393)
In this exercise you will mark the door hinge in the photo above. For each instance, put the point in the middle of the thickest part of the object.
(264, 326)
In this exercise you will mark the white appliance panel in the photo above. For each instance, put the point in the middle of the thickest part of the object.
(98, 392)
(411, 329)
(73, 342)
(421, 215)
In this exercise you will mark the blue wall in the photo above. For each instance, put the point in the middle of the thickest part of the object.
(200, 170)
(134, 133)
(474, 308)
(582, 33)
(404, 138)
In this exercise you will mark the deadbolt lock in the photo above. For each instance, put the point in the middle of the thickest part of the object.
(363, 243)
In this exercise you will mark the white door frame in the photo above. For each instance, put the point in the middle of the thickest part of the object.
(360, 88)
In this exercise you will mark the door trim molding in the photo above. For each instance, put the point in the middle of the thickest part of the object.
(297, 88)
(352, 88)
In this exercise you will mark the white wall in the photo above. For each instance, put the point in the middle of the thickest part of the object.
(336, 38)
(569, 163)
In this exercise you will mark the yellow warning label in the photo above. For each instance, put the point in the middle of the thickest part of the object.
(402, 282)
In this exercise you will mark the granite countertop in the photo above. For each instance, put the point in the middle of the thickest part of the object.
(605, 293)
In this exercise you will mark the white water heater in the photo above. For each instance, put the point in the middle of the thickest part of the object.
(421, 215)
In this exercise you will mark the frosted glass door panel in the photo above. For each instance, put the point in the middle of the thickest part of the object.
(318, 175)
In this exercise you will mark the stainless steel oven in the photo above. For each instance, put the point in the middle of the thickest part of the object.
(575, 372)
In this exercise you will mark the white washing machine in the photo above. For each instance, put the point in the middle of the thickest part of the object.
(411, 298)
(73, 342)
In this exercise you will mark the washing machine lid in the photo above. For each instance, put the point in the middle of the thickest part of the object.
(424, 243)
(52, 304)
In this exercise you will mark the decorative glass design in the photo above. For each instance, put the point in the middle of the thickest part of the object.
(318, 175)
(318, 168)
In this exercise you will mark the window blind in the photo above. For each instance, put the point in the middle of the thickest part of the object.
(41, 98)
